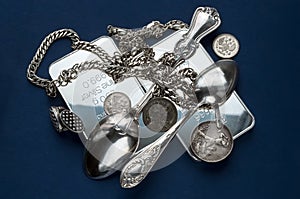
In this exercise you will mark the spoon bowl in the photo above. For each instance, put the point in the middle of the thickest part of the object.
(109, 145)
(216, 83)
(113, 140)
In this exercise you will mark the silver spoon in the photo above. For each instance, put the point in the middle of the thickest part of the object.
(213, 86)
(109, 145)
(114, 139)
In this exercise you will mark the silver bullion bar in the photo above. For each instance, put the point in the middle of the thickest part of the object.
(86, 94)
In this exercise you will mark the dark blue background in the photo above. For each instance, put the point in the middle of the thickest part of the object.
(35, 162)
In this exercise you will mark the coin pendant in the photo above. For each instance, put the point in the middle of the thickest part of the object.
(226, 46)
(159, 114)
(210, 143)
(117, 102)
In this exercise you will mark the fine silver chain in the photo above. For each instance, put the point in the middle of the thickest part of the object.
(129, 39)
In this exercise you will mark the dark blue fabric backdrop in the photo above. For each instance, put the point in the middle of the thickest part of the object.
(35, 162)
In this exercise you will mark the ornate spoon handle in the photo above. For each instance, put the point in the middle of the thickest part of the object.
(141, 163)
(204, 21)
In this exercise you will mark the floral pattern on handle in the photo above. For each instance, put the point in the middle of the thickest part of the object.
(139, 167)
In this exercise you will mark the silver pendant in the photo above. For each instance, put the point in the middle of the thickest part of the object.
(160, 114)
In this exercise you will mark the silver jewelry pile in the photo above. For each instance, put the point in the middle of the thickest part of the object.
(130, 93)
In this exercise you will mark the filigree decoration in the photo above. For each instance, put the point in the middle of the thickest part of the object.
(139, 168)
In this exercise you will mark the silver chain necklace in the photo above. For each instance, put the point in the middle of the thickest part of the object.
(131, 43)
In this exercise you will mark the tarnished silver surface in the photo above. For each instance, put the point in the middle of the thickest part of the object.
(117, 102)
(210, 143)
(159, 114)
(141, 163)
(226, 45)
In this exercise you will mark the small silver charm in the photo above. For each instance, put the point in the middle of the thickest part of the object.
(226, 46)
(210, 143)
(64, 120)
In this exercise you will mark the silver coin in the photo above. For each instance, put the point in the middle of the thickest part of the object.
(210, 143)
(226, 46)
(117, 102)
(159, 115)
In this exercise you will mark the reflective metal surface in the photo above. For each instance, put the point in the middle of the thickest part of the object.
(211, 141)
(142, 162)
(235, 114)
(114, 139)
(109, 146)
(233, 111)
(204, 21)
(216, 83)
(85, 96)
